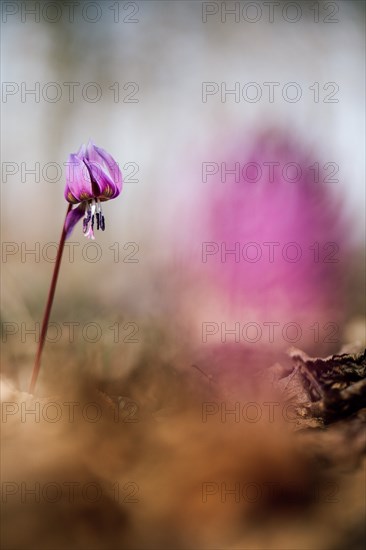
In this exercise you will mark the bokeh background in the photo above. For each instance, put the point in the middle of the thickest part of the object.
(159, 54)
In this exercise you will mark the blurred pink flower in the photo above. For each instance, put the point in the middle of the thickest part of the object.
(274, 241)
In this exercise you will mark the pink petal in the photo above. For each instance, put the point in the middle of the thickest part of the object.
(106, 186)
(78, 183)
(112, 167)
(73, 217)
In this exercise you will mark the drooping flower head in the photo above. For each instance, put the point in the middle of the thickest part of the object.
(93, 177)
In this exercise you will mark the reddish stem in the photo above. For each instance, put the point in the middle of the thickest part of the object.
(46, 316)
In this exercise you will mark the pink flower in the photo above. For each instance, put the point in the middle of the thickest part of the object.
(93, 177)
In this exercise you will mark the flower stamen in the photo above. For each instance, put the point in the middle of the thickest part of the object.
(101, 222)
(93, 212)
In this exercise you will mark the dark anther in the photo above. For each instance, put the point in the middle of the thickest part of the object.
(88, 216)
(85, 225)
(92, 221)
(102, 223)
(97, 215)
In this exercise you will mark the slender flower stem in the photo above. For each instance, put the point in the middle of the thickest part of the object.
(46, 316)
